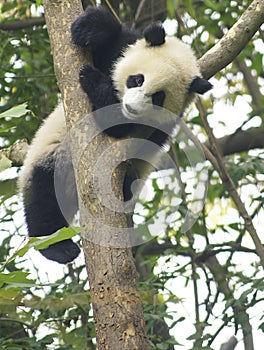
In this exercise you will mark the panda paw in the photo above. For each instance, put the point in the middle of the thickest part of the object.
(94, 28)
(90, 79)
(62, 252)
(98, 87)
(89, 72)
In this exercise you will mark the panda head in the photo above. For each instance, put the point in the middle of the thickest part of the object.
(157, 70)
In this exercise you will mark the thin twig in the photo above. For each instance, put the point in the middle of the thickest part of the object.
(229, 184)
(193, 255)
(138, 12)
(113, 11)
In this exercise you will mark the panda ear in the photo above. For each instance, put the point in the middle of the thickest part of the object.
(200, 85)
(154, 34)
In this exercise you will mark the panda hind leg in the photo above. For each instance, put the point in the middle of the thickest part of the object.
(43, 213)
(62, 252)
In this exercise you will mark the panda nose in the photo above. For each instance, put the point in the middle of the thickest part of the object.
(130, 109)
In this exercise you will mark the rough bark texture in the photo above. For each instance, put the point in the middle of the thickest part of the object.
(225, 51)
(118, 314)
(16, 152)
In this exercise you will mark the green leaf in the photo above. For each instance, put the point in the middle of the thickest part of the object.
(15, 279)
(212, 5)
(15, 112)
(44, 242)
(171, 6)
(162, 346)
(7, 296)
(38, 3)
(189, 7)
(5, 163)
(60, 302)
(60, 235)
(8, 188)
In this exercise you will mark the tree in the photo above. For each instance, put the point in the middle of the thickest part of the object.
(204, 265)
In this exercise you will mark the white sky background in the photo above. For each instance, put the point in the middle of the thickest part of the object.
(224, 120)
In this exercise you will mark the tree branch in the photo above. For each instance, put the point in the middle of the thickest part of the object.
(16, 153)
(229, 185)
(227, 48)
(153, 248)
(251, 83)
(241, 141)
(22, 24)
(230, 345)
(221, 277)
(138, 12)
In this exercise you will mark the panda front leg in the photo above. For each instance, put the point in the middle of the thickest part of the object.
(98, 87)
(43, 213)
(101, 94)
(95, 28)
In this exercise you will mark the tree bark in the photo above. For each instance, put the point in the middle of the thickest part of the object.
(228, 48)
(118, 314)
(22, 24)
(230, 345)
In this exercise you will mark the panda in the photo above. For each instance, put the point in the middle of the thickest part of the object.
(128, 69)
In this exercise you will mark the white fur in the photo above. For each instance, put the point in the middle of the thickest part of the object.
(169, 67)
(137, 100)
(45, 142)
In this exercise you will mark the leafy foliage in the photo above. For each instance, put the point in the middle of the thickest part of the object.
(212, 266)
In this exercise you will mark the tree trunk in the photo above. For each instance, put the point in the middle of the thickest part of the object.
(117, 308)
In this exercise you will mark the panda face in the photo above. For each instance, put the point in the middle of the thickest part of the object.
(135, 101)
(155, 75)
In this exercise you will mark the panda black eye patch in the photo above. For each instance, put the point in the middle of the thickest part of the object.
(158, 98)
(136, 80)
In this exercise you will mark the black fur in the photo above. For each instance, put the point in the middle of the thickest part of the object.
(200, 85)
(155, 35)
(42, 212)
(100, 31)
(98, 86)
(158, 98)
(135, 80)
(94, 28)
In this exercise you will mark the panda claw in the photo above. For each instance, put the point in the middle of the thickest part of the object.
(90, 79)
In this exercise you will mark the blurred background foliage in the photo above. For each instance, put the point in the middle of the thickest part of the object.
(198, 288)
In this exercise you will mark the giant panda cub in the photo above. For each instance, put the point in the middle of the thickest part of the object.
(129, 70)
